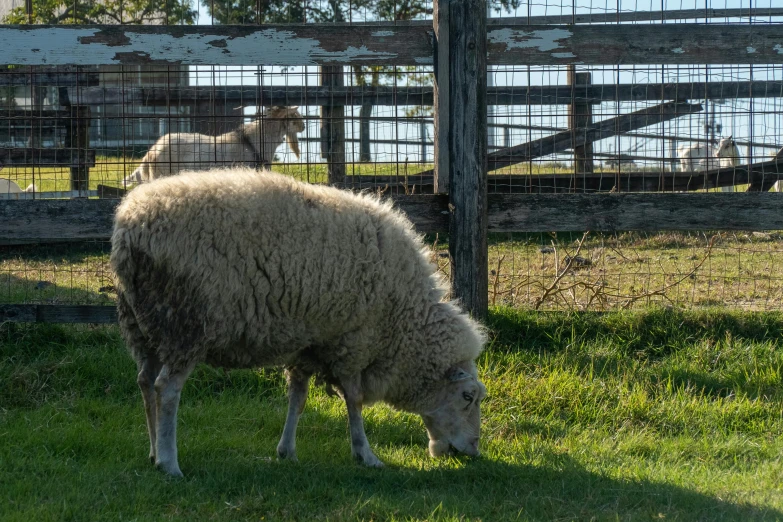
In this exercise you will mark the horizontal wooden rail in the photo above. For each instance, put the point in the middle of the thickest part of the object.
(612, 16)
(44, 157)
(45, 76)
(761, 176)
(635, 44)
(36, 313)
(387, 95)
(403, 44)
(26, 222)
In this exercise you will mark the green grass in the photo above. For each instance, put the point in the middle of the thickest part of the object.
(652, 414)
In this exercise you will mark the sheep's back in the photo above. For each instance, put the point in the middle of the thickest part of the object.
(268, 265)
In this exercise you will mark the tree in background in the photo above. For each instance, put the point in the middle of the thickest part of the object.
(304, 11)
(104, 12)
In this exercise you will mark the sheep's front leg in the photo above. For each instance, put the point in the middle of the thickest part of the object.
(168, 387)
(298, 385)
(148, 372)
(360, 446)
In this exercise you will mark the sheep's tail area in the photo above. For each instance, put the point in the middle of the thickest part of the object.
(122, 260)
(31, 188)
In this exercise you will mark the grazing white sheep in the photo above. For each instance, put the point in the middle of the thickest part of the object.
(253, 144)
(242, 269)
(703, 156)
(9, 187)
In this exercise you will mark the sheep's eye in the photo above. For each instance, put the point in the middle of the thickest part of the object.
(468, 397)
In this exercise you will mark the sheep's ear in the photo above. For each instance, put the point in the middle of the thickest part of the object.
(293, 143)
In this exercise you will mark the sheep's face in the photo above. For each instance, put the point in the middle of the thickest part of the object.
(727, 148)
(453, 423)
(293, 124)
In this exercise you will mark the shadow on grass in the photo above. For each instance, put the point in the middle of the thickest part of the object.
(56, 274)
(558, 487)
(654, 332)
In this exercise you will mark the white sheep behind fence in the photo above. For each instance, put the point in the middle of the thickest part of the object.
(703, 156)
(253, 144)
(9, 187)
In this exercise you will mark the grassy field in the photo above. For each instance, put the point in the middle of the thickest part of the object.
(623, 416)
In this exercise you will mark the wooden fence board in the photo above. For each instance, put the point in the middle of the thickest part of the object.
(62, 76)
(74, 157)
(403, 44)
(402, 95)
(635, 44)
(35, 313)
(644, 212)
(26, 222)
(295, 44)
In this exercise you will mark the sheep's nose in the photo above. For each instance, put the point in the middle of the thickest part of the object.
(472, 448)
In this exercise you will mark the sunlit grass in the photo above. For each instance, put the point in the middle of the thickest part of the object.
(623, 416)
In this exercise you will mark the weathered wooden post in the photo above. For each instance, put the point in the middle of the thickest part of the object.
(333, 127)
(461, 142)
(580, 116)
(77, 140)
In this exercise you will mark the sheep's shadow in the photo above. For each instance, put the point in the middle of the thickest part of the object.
(556, 487)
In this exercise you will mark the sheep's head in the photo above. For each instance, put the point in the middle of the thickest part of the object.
(453, 418)
(727, 148)
(292, 124)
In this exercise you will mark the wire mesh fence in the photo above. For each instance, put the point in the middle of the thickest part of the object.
(83, 131)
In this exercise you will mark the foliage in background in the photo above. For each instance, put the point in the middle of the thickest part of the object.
(104, 12)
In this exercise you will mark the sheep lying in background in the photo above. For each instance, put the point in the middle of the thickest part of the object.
(254, 144)
(702, 156)
(9, 187)
(242, 269)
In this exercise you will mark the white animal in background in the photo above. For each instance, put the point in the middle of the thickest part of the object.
(9, 187)
(703, 156)
(253, 144)
(242, 269)
(777, 186)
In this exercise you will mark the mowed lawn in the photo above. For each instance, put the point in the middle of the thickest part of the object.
(652, 414)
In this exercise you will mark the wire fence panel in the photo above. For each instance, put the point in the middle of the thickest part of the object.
(597, 99)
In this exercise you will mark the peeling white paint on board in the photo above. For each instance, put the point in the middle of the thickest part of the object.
(678, 50)
(542, 39)
(380, 34)
(83, 46)
(563, 55)
(778, 48)
(750, 49)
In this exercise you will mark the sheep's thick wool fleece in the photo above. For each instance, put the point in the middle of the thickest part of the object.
(243, 269)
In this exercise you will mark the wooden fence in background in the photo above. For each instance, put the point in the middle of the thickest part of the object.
(460, 44)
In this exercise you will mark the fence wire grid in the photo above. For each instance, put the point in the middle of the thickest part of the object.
(68, 131)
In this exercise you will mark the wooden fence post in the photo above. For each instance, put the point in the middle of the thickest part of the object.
(77, 140)
(462, 113)
(580, 116)
(333, 127)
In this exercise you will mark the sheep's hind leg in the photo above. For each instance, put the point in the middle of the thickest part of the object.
(168, 387)
(298, 385)
(149, 368)
(360, 446)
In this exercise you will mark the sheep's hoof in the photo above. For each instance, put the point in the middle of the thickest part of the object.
(170, 468)
(370, 460)
(285, 454)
